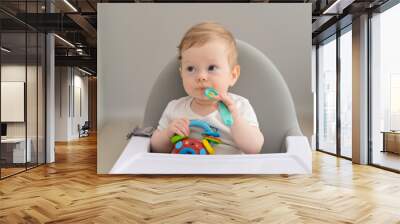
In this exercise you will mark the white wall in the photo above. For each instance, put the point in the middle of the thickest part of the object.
(15, 72)
(135, 41)
(66, 119)
(61, 103)
(80, 83)
(34, 125)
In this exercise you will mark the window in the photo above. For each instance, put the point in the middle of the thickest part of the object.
(346, 93)
(22, 76)
(327, 96)
(385, 88)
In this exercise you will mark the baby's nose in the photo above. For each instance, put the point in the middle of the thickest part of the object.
(202, 77)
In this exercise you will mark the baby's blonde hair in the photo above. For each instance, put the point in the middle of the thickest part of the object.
(201, 33)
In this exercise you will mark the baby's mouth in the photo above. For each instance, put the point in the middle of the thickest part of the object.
(202, 89)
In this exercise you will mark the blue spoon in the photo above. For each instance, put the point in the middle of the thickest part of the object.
(226, 115)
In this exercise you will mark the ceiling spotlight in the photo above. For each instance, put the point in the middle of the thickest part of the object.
(79, 51)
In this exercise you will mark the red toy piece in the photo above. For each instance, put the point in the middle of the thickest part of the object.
(189, 146)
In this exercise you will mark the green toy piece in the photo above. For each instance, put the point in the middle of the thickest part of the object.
(177, 138)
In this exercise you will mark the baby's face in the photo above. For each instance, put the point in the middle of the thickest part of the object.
(207, 66)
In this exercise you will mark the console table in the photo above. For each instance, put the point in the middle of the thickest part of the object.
(391, 141)
(13, 150)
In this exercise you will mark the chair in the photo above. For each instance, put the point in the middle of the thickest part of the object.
(84, 130)
(285, 150)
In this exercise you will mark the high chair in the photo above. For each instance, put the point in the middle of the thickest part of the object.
(285, 149)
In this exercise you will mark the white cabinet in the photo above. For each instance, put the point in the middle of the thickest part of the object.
(17, 145)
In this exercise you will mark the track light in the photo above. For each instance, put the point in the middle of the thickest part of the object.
(338, 6)
(84, 71)
(70, 5)
(5, 50)
(65, 41)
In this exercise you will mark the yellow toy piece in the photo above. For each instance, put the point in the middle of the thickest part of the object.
(213, 140)
(208, 147)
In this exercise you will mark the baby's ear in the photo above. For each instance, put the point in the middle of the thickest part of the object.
(180, 70)
(235, 74)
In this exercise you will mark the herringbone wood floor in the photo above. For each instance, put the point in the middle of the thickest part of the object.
(70, 191)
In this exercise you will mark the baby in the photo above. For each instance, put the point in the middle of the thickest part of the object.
(208, 58)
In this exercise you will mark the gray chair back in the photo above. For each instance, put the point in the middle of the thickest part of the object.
(260, 82)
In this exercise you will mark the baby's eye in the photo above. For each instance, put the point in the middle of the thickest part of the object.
(190, 69)
(212, 68)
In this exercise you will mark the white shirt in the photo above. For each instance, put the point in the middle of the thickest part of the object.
(180, 108)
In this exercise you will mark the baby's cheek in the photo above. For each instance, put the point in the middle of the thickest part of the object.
(187, 89)
(187, 85)
(216, 84)
(221, 88)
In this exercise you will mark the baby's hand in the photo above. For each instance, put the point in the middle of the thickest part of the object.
(228, 102)
(178, 126)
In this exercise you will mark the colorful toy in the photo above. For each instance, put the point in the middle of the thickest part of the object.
(226, 115)
(186, 145)
(189, 146)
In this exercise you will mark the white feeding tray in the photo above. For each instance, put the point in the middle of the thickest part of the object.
(136, 158)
